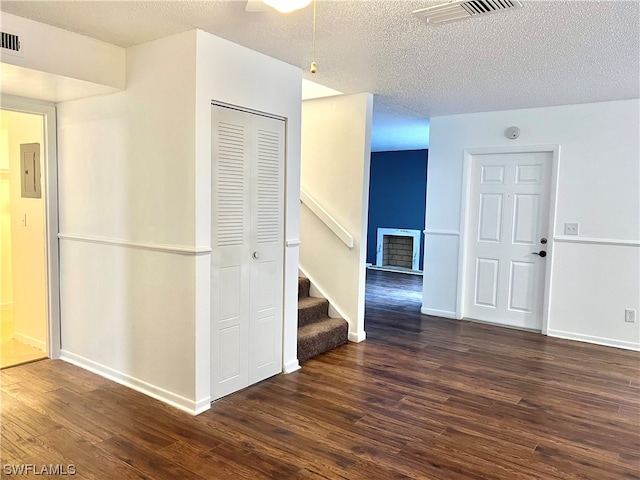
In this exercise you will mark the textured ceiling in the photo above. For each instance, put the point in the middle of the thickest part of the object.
(547, 53)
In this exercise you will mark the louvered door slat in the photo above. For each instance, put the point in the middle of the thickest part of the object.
(268, 201)
(231, 184)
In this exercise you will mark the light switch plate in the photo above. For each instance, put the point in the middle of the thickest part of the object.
(571, 228)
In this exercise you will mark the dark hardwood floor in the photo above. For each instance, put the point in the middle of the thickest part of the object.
(422, 398)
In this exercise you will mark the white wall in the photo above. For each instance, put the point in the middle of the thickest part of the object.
(127, 222)
(599, 171)
(311, 90)
(336, 156)
(235, 75)
(27, 272)
(135, 215)
(51, 50)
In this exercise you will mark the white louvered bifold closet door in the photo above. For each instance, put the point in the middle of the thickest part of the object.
(247, 242)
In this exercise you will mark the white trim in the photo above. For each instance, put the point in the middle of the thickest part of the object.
(465, 193)
(390, 268)
(435, 231)
(439, 313)
(553, 214)
(156, 247)
(230, 106)
(468, 154)
(608, 342)
(326, 218)
(178, 401)
(290, 367)
(357, 337)
(48, 111)
(32, 342)
(597, 241)
(292, 243)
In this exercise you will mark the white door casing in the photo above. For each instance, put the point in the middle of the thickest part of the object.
(50, 181)
(508, 216)
(247, 254)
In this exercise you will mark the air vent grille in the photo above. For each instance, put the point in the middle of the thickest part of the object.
(8, 41)
(461, 9)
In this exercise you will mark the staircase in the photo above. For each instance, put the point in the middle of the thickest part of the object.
(317, 332)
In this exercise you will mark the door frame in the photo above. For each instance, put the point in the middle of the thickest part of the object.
(284, 366)
(465, 208)
(48, 111)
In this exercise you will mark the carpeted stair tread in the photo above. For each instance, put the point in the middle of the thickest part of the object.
(311, 309)
(321, 336)
(303, 287)
(317, 332)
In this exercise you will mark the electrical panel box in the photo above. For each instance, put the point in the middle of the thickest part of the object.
(30, 170)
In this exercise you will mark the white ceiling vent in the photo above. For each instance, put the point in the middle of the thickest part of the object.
(461, 9)
(10, 44)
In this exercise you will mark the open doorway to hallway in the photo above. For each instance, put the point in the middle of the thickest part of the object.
(23, 287)
(395, 241)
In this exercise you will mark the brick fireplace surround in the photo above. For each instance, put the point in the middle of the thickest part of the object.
(397, 251)
(398, 247)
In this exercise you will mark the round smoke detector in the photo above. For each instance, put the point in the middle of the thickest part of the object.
(512, 133)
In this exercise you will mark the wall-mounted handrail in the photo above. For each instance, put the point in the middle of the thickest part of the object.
(326, 218)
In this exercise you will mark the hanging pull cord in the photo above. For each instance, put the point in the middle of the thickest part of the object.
(313, 68)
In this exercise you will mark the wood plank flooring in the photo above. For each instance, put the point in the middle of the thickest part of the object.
(13, 352)
(422, 398)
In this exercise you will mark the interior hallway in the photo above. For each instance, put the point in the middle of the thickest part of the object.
(23, 311)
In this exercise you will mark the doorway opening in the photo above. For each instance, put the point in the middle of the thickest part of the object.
(395, 240)
(29, 272)
(23, 291)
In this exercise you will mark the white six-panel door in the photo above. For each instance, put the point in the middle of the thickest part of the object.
(507, 228)
(247, 249)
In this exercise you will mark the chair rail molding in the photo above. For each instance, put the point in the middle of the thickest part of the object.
(177, 249)
(597, 241)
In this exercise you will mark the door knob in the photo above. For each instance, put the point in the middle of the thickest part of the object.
(541, 253)
(256, 255)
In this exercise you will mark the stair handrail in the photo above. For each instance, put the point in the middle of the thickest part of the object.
(326, 218)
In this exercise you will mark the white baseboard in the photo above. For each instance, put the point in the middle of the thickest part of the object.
(32, 342)
(178, 401)
(357, 337)
(439, 313)
(291, 366)
(607, 342)
(201, 406)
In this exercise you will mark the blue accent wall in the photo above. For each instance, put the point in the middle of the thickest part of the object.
(397, 195)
